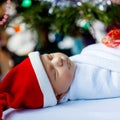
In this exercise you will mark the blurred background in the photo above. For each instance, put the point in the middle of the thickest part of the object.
(52, 26)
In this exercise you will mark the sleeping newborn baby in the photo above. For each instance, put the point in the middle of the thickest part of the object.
(45, 80)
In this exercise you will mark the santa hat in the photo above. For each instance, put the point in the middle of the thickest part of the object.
(27, 86)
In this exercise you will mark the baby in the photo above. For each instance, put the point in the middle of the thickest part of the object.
(48, 79)
(94, 74)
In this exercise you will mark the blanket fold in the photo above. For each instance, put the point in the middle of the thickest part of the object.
(102, 56)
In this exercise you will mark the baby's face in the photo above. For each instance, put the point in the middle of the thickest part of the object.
(60, 70)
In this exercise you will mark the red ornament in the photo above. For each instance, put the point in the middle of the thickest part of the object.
(112, 39)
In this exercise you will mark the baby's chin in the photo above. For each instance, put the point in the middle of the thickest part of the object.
(74, 69)
(73, 65)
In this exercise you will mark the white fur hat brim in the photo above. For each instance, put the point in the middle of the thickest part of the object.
(44, 83)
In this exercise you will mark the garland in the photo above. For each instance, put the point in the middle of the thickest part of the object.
(5, 17)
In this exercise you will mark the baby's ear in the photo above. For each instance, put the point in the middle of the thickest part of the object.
(60, 96)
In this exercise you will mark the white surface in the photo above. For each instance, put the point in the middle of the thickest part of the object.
(107, 109)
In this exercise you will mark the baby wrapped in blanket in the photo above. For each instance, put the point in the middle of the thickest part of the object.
(44, 80)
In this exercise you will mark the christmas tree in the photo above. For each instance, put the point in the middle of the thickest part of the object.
(62, 16)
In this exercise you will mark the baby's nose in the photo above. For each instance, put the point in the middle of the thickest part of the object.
(61, 61)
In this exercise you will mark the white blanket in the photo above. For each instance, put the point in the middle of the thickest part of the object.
(106, 109)
(97, 74)
(100, 55)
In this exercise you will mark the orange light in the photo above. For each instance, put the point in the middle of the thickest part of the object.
(17, 28)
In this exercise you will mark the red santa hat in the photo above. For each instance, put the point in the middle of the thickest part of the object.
(27, 86)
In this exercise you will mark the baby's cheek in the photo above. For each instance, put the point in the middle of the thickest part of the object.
(69, 76)
(66, 74)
